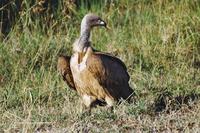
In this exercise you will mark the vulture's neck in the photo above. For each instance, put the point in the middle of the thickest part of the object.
(84, 40)
(85, 34)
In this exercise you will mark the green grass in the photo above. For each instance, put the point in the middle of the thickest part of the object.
(158, 41)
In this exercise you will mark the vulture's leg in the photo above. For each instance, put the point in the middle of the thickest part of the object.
(88, 100)
(110, 101)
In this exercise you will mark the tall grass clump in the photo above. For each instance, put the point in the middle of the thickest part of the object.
(159, 41)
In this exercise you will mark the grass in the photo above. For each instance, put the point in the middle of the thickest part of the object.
(159, 41)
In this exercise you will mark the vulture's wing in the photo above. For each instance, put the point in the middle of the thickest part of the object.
(111, 74)
(63, 67)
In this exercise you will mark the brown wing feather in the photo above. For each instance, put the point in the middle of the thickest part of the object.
(111, 73)
(113, 58)
(63, 67)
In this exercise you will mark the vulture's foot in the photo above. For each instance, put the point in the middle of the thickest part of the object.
(88, 100)
(110, 101)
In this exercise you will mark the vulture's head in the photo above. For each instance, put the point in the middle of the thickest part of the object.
(91, 20)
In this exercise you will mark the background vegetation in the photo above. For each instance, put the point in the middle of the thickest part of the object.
(159, 41)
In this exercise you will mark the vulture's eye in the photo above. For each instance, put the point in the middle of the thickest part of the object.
(99, 21)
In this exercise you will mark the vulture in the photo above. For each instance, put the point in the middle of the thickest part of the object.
(96, 76)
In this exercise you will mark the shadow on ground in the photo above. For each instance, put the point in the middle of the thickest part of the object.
(167, 102)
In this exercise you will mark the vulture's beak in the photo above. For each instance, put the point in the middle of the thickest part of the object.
(103, 23)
